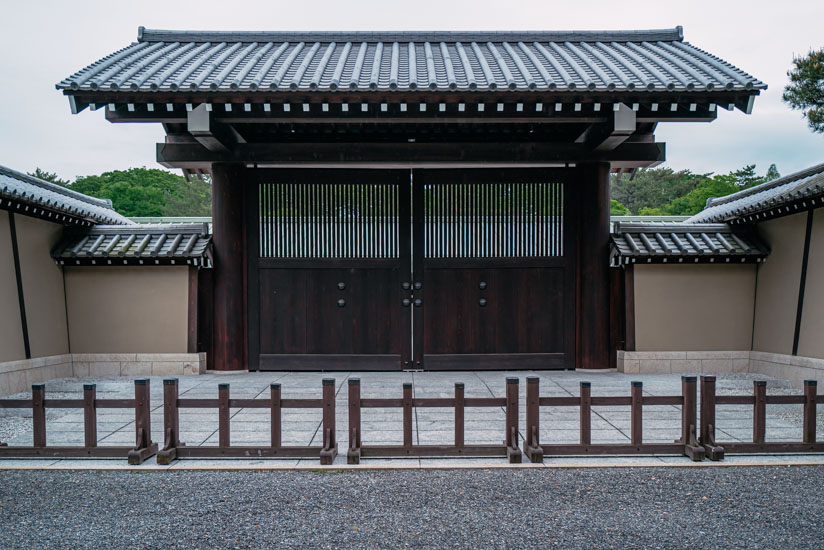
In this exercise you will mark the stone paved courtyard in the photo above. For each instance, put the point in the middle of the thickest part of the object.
(384, 426)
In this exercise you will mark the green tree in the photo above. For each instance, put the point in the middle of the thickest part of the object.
(49, 176)
(617, 209)
(652, 187)
(695, 201)
(772, 173)
(148, 192)
(805, 92)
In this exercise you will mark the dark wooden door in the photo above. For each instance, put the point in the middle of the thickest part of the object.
(330, 255)
(493, 270)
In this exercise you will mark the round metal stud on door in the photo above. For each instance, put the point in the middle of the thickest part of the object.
(341, 302)
(482, 285)
(482, 302)
(418, 302)
(341, 285)
(406, 302)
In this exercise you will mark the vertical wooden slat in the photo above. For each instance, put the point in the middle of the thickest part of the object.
(533, 409)
(354, 414)
(329, 414)
(636, 414)
(707, 435)
(759, 415)
(407, 414)
(689, 413)
(90, 415)
(223, 415)
(810, 390)
(38, 396)
(142, 414)
(275, 415)
(586, 413)
(459, 414)
(511, 412)
(171, 416)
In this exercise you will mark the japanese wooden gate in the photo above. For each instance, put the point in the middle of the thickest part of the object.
(392, 269)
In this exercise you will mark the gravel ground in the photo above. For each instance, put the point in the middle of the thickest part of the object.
(742, 507)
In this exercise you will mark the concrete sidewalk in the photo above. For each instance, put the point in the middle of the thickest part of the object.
(384, 426)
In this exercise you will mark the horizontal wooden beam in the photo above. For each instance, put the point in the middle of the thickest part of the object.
(192, 156)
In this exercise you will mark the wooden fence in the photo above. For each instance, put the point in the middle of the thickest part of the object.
(693, 442)
(172, 404)
(509, 447)
(143, 448)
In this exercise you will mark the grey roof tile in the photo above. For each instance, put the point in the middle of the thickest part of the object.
(768, 198)
(180, 244)
(53, 200)
(407, 61)
(680, 242)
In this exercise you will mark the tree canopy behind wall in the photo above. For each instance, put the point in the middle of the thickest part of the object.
(144, 192)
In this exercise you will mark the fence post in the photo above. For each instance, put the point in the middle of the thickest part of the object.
(532, 445)
(330, 445)
(144, 448)
(636, 433)
(459, 414)
(275, 415)
(38, 411)
(353, 454)
(407, 414)
(707, 435)
(223, 428)
(512, 450)
(759, 412)
(810, 389)
(171, 422)
(689, 415)
(586, 413)
(90, 414)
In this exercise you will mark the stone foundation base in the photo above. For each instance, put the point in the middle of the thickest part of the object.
(787, 367)
(18, 376)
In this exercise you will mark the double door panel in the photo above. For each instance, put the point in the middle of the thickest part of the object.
(377, 270)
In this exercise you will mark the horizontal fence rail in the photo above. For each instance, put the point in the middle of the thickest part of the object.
(509, 448)
(143, 448)
(172, 404)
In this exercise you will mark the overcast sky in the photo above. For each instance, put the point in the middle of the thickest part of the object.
(44, 41)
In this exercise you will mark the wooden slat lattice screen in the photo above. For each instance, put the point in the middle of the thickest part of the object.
(328, 221)
(494, 220)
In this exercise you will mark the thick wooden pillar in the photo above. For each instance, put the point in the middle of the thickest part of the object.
(593, 338)
(227, 238)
